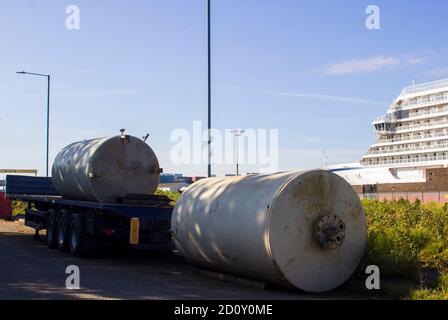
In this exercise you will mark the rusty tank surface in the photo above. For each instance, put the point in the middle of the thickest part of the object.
(105, 169)
(304, 230)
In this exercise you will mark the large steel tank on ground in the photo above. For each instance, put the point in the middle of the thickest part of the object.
(106, 168)
(304, 230)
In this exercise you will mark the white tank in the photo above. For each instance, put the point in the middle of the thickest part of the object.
(304, 230)
(106, 168)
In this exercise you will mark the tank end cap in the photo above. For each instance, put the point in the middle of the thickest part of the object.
(329, 231)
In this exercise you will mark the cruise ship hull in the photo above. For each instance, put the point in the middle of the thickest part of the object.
(426, 184)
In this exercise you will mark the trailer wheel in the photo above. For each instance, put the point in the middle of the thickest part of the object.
(52, 237)
(80, 243)
(63, 224)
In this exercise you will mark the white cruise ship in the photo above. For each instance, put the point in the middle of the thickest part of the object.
(410, 139)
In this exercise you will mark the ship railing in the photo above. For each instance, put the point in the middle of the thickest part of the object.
(380, 119)
(413, 126)
(425, 86)
(385, 118)
(417, 137)
(412, 160)
(438, 146)
(424, 113)
(423, 101)
(390, 118)
(419, 125)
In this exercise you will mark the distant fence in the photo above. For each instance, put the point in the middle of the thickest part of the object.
(441, 197)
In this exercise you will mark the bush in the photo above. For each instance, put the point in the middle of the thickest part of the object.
(439, 293)
(18, 207)
(404, 236)
(174, 196)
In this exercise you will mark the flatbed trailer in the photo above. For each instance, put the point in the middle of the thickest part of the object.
(80, 227)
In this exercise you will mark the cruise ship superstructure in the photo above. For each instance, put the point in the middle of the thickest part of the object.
(410, 139)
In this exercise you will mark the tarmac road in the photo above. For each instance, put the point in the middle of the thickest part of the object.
(29, 270)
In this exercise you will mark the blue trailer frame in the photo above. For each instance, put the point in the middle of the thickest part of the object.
(142, 224)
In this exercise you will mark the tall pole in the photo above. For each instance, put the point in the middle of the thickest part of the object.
(237, 133)
(237, 157)
(209, 74)
(48, 127)
(47, 160)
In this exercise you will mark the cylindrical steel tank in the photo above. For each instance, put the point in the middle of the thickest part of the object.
(106, 168)
(304, 230)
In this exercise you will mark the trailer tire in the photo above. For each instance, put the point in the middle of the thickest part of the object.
(63, 231)
(80, 242)
(52, 237)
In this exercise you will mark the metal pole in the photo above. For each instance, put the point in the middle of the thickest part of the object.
(48, 125)
(237, 133)
(237, 156)
(209, 91)
(48, 114)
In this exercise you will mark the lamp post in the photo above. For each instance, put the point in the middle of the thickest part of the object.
(209, 90)
(48, 112)
(237, 133)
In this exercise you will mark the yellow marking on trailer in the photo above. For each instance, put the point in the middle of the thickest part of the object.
(135, 231)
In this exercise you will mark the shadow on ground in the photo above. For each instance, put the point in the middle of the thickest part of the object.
(29, 270)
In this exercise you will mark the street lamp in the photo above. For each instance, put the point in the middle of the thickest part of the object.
(209, 89)
(48, 111)
(237, 133)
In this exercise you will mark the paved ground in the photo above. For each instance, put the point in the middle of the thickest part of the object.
(29, 270)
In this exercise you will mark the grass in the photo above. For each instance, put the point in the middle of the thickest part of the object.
(18, 207)
(405, 237)
(174, 196)
(438, 293)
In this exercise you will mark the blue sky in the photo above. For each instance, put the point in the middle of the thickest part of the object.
(310, 69)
